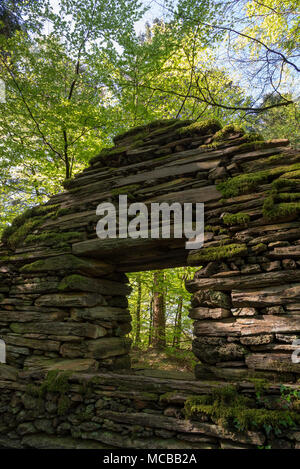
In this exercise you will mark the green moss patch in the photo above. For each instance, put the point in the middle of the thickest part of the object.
(236, 219)
(247, 182)
(232, 410)
(107, 153)
(25, 223)
(288, 196)
(55, 382)
(52, 238)
(200, 128)
(228, 130)
(145, 129)
(125, 190)
(217, 253)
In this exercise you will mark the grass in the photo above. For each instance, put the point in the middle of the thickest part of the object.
(169, 359)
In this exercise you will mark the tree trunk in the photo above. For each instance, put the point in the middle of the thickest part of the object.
(150, 322)
(177, 328)
(138, 312)
(159, 320)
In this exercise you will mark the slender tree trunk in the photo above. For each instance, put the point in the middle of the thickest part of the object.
(159, 320)
(138, 311)
(150, 322)
(177, 329)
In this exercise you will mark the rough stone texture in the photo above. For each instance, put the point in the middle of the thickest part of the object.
(63, 291)
(111, 411)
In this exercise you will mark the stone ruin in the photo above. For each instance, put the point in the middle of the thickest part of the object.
(67, 381)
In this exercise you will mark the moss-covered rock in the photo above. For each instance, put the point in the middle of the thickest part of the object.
(51, 238)
(236, 219)
(200, 128)
(209, 254)
(229, 408)
(15, 234)
(68, 262)
(228, 130)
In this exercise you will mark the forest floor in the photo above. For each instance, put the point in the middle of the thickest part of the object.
(168, 360)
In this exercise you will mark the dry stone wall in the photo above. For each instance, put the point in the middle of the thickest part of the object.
(63, 291)
(107, 411)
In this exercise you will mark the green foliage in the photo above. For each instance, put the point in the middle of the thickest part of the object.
(171, 285)
(260, 385)
(71, 87)
(231, 409)
(282, 122)
(236, 219)
(290, 396)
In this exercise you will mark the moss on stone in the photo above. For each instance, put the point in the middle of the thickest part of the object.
(167, 396)
(230, 409)
(143, 130)
(253, 145)
(226, 131)
(217, 253)
(22, 225)
(200, 128)
(63, 262)
(127, 190)
(290, 196)
(243, 183)
(260, 385)
(214, 229)
(281, 182)
(64, 211)
(236, 219)
(68, 282)
(52, 238)
(246, 182)
(63, 405)
(280, 210)
(33, 390)
(249, 137)
(55, 381)
(106, 153)
(67, 183)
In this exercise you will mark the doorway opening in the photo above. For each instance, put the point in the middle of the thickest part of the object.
(161, 328)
